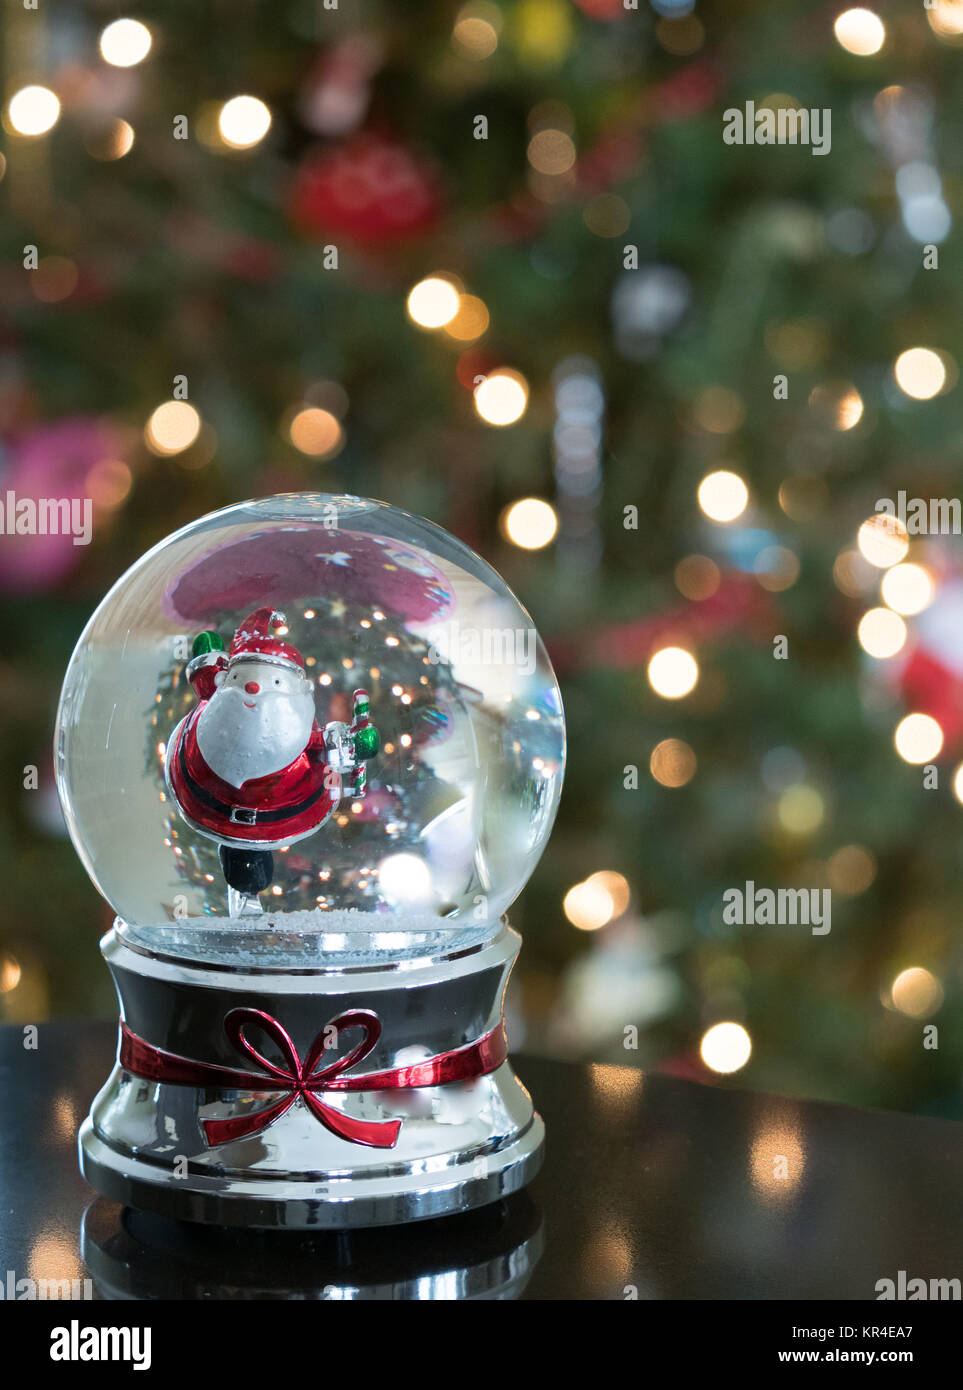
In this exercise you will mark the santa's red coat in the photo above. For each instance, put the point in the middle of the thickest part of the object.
(264, 811)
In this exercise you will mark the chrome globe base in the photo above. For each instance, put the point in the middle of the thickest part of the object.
(460, 1144)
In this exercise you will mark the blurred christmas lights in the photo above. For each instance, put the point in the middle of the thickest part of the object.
(530, 523)
(172, 427)
(920, 373)
(907, 589)
(125, 42)
(33, 110)
(723, 495)
(883, 540)
(881, 633)
(433, 302)
(672, 763)
(315, 432)
(673, 672)
(725, 1047)
(502, 397)
(860, 31)
(918, 738)
(243, 121)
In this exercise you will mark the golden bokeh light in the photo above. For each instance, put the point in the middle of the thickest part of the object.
(945, 17)
(697, 577)
(673, 672)
(723, 495)
(725, 1048)
(881, 633)
(243, 122)
(433, 302)
(920, 373)
(108, 483)
(172, 427)
(551, 152)
(475, 32)
(470, 321)
(853, 574)
(10, 972)
(617, 887)
(588, 905)
(851, 870)
(125, 43)
(672, 763)
(849, 410)
(112, 142)
(315, 432)
(839, 403)
(530, 523)
(502, 398)
(860, 31)
(907, 589)
(883, 540)
(916, 992)
(33, 110)
(918, 738)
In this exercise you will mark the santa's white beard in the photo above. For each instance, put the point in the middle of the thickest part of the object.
(238, 743)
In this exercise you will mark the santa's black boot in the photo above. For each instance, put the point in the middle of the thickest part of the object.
(248, 871)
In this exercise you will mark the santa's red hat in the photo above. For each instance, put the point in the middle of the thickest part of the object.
(256, 639)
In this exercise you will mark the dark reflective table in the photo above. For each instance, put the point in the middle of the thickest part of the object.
(659, 1185)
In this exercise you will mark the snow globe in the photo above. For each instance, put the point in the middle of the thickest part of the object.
(309, 749)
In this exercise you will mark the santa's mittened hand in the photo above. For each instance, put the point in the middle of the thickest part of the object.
(367, 742)
(206, 642)
(208, 657)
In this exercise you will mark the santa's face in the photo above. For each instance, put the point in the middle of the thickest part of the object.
(257, 721)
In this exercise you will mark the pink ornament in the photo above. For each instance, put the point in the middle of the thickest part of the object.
(49, 464)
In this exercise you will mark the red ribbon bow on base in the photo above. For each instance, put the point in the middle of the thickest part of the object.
(301, 1081)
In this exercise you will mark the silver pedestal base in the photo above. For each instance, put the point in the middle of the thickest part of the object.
(345, 1202)
(461, 1145)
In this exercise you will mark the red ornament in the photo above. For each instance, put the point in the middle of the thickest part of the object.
(738, 604)
(692, 89)
(928, 672)
(602, 9)
(369, 190)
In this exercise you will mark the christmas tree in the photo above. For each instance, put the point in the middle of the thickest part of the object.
(519, 267)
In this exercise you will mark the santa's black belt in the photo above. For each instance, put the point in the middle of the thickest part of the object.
(242, 815)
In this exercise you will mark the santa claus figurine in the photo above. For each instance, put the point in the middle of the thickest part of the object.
(250, 767)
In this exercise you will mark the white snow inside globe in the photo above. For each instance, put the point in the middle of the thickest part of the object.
(307, 726)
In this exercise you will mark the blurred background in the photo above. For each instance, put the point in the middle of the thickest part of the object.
(277, 246)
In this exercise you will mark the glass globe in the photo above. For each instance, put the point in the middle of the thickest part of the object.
(309, 725)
